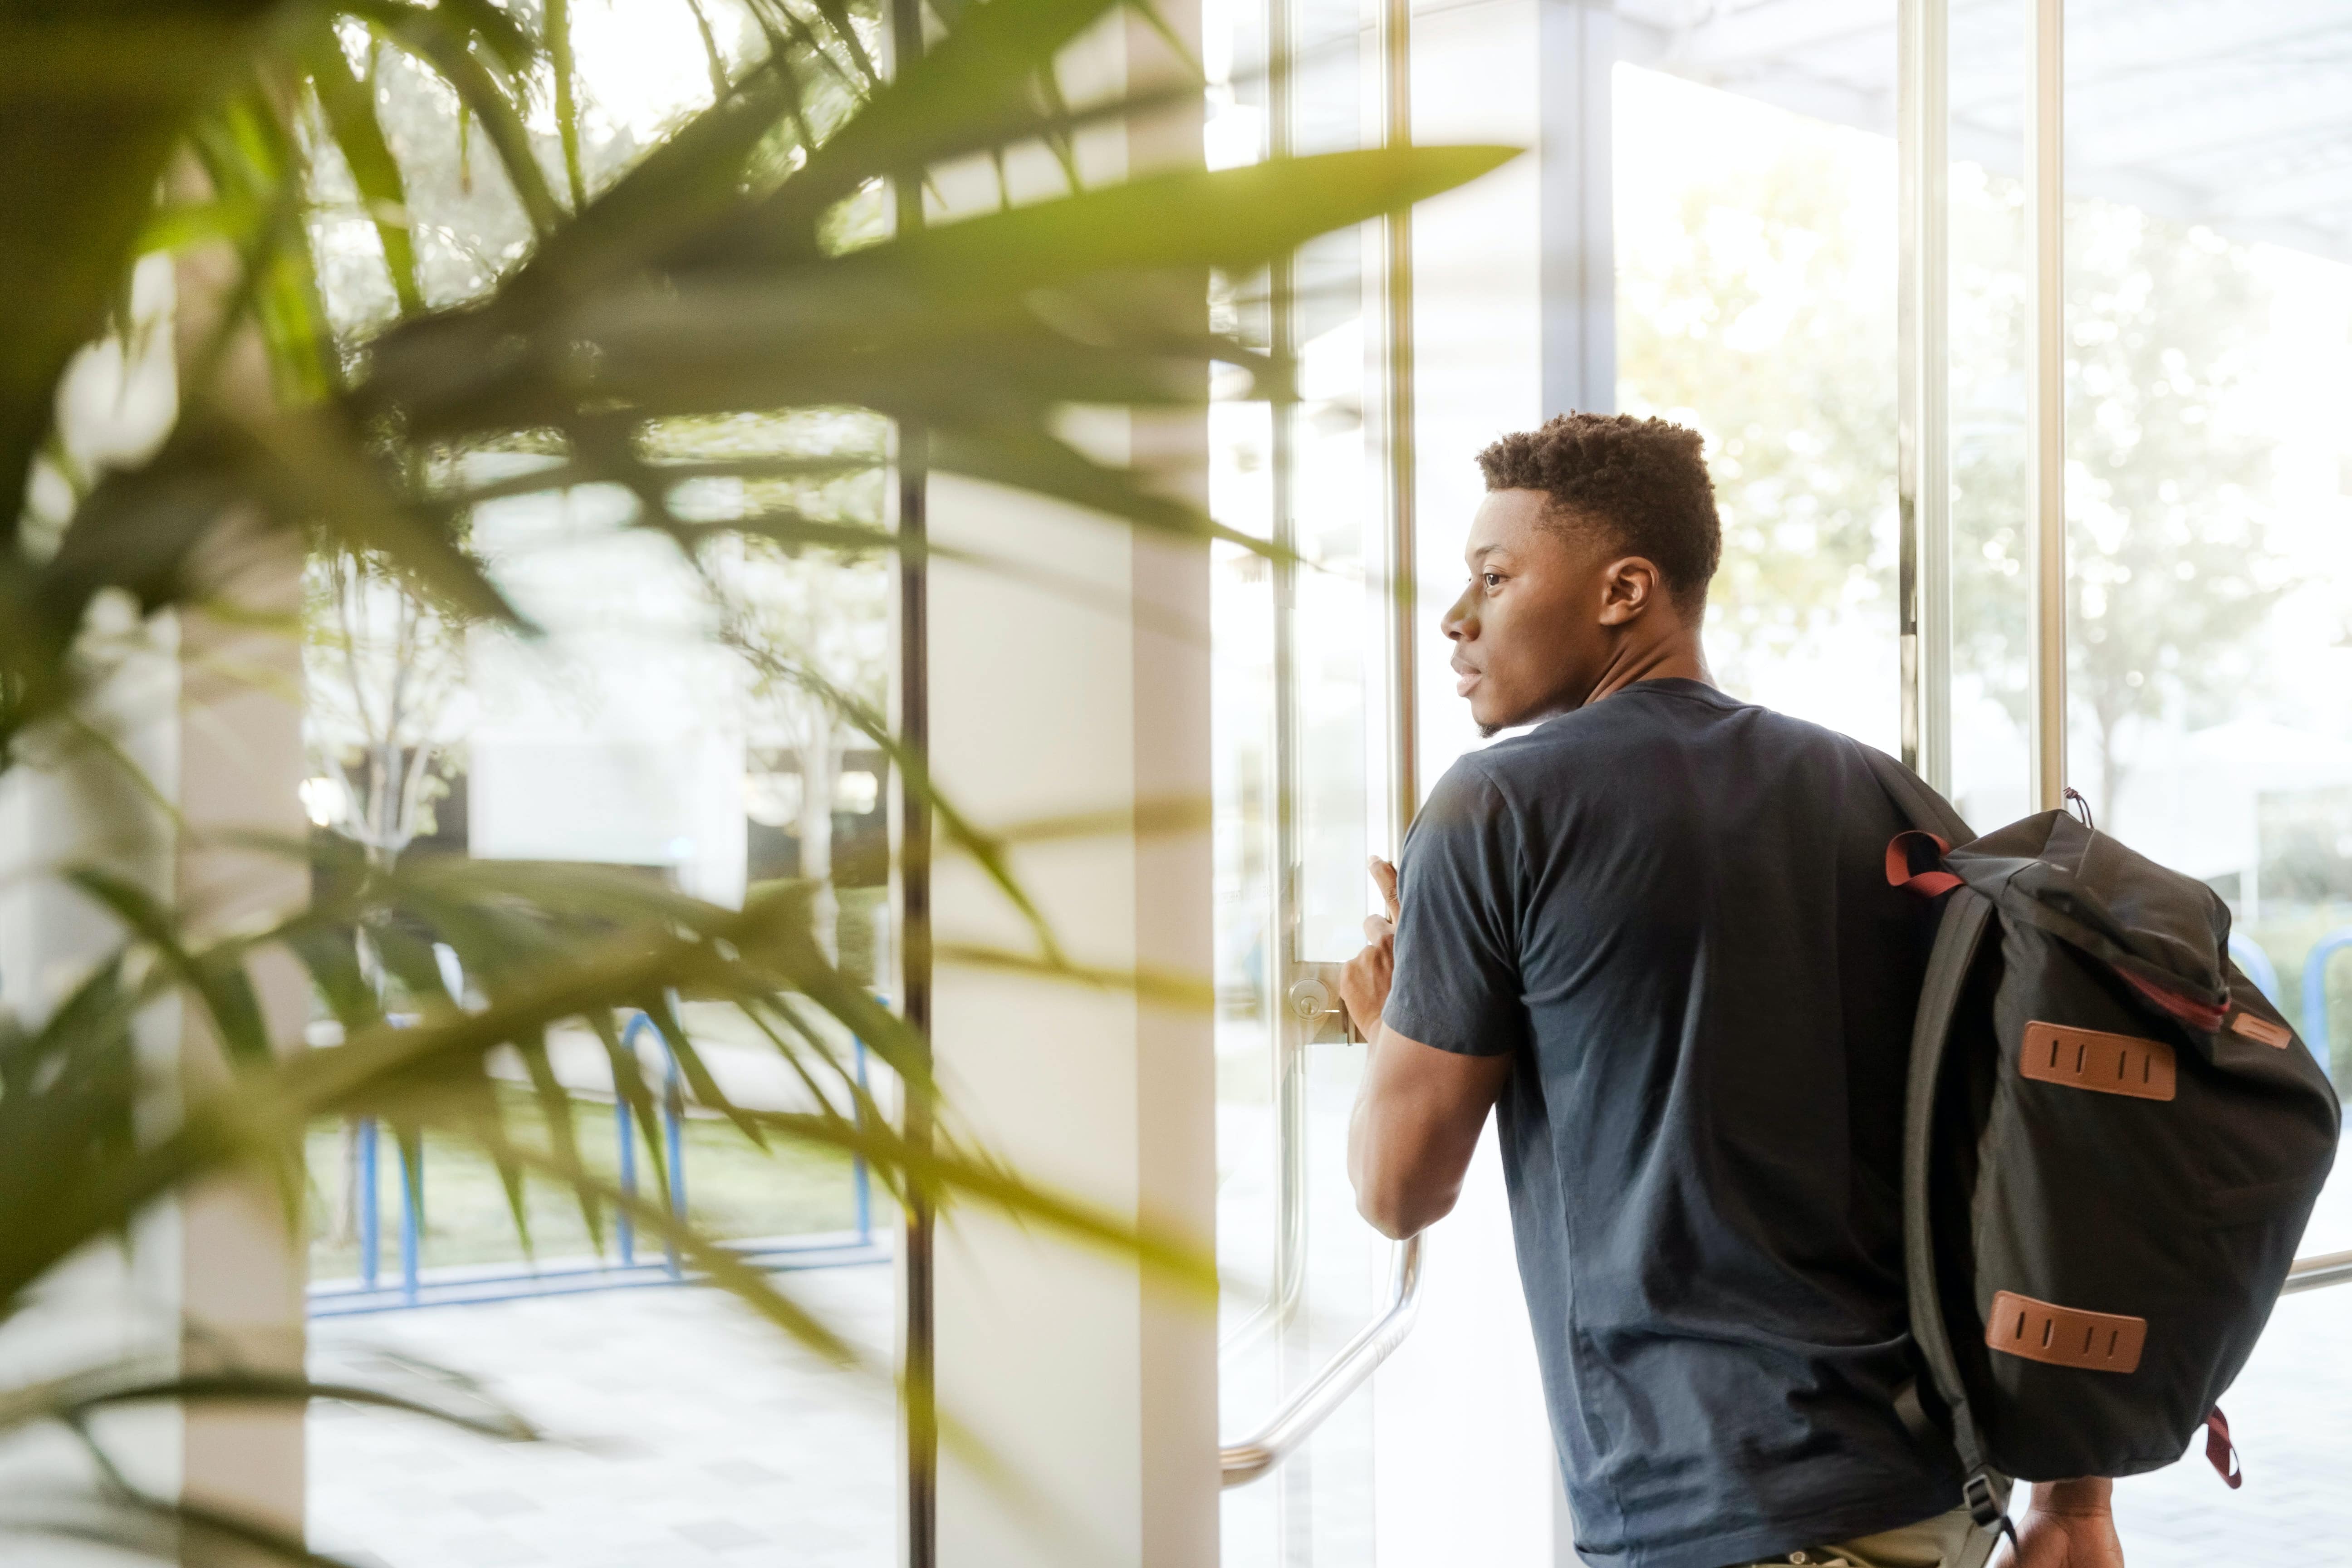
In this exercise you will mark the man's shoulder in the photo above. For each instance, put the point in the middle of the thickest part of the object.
(1465, 793)
(1647, 714)
(1676, 709)
(1650, 746)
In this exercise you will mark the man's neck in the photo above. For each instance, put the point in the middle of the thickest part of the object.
(1678, 656)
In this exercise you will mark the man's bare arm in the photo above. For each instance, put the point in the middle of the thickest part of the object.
(1419, 1113)
(1416, 1125)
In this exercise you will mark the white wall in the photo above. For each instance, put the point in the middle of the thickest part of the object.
(1090, 1382)
(1099, 1392)
(195, 711)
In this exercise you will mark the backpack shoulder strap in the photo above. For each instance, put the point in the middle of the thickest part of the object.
(1960, 935)
(1959, 938)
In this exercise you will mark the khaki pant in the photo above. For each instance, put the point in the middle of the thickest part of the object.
(1947, 1540)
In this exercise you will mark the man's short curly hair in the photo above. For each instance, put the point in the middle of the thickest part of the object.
(1644, 480)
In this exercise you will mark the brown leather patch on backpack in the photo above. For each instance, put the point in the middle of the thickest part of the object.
(2094, 1060)
(2262, 1031)
(2065, 1336)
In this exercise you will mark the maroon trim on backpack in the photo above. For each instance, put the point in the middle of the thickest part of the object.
(1902, 871)
(2219, 1452)
(2205, 1016)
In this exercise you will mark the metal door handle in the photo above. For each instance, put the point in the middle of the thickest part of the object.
(1247, 1460)
(1314, 998)
(1263, 1450)
(2323, 1269)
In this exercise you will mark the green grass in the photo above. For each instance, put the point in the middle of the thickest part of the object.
(733, 1189)
(862, 910)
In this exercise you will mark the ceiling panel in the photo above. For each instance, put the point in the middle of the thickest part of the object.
(2236, 113)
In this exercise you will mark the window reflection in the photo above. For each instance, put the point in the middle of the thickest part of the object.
(1755, 303)
(2209, 381)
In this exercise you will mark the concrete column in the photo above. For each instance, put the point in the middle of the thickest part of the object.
(1077, 682)
(191, 730)
(235, 736)
(1092, 1386)
(241, 1272)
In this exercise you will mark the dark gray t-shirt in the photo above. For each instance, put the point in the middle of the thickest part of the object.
(1671, 908)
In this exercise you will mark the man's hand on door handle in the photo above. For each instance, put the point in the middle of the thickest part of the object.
(1364, 979)
(1418, 1115)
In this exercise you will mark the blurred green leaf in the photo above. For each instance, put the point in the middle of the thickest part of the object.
(735, 271)
(349, 105)
(218, 977)
(431, 35)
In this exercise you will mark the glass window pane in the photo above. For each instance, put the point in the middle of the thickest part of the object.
(2209, 397)
(1335, 510)
(1756, 270)
(625, 735)
(1296, 681)
(578, 746)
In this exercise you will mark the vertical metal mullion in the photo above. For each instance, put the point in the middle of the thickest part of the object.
(1292, 1032)
(919, 1366)
(2045, 402)
(1288, 841)
(1923, 423)
(1396, 287)
(1292, 1035)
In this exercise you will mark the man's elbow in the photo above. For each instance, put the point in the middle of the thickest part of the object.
(1390, 1220)
(1402, 1209)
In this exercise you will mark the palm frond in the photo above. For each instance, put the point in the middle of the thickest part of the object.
(735, 271)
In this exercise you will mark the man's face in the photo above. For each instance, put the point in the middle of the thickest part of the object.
(1529, 633)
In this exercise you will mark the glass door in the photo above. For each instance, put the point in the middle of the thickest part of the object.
(2204, 652)
(1304, 738)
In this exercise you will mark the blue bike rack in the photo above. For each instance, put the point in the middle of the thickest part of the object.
(411, 1183)
(2257, 965)
(673, 1116)
(411, 1199)
(450, 1286)
(858, 1181)
(370, 1241)
(2316, 1032)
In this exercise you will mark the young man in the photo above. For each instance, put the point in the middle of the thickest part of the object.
(1657, 930)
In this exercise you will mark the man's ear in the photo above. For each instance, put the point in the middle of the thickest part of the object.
(1628, 587)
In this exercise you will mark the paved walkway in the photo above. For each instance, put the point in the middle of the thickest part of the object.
(693, 1432)
(2291, 1413)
